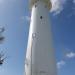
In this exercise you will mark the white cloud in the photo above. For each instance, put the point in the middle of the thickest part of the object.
(26, 18)
(60, 64)
(70, 55)
(73, 1)
(57, 6)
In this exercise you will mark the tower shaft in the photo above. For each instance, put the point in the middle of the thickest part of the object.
(40, 58)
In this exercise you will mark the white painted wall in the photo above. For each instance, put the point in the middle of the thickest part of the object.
(40, 57)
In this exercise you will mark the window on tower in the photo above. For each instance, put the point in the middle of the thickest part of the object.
(35, 6)
(41, 17)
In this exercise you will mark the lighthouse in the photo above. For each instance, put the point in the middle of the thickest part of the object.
(40, 56)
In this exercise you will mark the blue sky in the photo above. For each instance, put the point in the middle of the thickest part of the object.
(15, 17)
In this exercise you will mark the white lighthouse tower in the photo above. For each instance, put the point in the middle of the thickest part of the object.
(40, 57)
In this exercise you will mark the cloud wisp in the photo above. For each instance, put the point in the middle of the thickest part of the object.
(70, 55)
(27, 18)
(60, 64)
(57, 6)
(73, 1)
